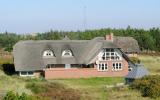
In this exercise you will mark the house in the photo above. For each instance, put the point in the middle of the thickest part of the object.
(99, 57)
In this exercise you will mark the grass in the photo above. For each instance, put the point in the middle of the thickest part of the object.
(53, 91)
(126, 94)
(95, 89)
(7, 82)
(152, 63)
(90, 88)
(13, 83)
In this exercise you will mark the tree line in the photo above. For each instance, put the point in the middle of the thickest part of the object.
(147, 39)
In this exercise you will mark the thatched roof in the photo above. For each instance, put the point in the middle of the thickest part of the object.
(127, 44)
(28, 54)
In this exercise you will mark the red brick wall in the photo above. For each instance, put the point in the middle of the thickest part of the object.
(86, 72)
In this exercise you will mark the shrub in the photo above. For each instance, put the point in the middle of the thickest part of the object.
(36, 87)
(15, 96)
(53, 91)
(135, 59)
(10, 96)
(24, 96)
(9, 69)
(148, 86)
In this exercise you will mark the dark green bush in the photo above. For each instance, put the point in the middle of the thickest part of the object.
(9, 69)
(10, 96)
(149, 86)
(15, 96)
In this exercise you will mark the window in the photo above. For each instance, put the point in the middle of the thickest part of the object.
(67, 53)
(130, 68)
(48, 53)
(117, 66)
(50, 66)
(110, 54)
(30, 73)
(26, 73)
(102, 67)
(23, 73)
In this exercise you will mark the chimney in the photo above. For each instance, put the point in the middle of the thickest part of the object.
(109, 37)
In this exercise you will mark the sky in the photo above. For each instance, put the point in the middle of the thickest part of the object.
(30, 16)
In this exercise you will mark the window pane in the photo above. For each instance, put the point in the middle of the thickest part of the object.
(112, 50)
(117, 57)
(107, 58)
(23, 73)
(116, 64)
(67, 53)
(30, 73)
(106, 65)
(116, 67)
(102, 68)
(112, 58)
(112, 53)
(102, 65)
(107, 53)
(107, 50)
(120, 64)
(103, 58)
(113, 64)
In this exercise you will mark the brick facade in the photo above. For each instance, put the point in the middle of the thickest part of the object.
(55, 73)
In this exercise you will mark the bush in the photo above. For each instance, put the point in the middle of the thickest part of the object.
(9, 69)
(148, 86)
(36, 87)
(10, 96)
(135, 59)
(15, 96)
(53, 91)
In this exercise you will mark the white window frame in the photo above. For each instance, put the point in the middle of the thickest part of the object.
(27, 74)
(67, 51)
(117, 66)
(48, 54)
(108, 53)
(100, 65)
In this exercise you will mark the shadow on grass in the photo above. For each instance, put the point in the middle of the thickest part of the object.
(9, 69)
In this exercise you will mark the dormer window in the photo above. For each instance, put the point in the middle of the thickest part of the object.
(48, 53)
(67, 53)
